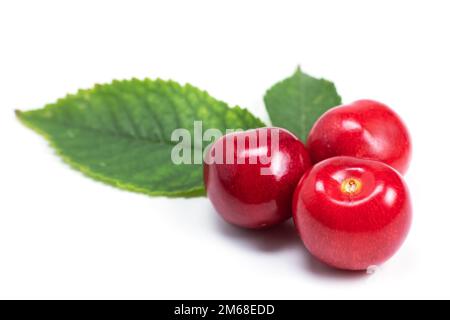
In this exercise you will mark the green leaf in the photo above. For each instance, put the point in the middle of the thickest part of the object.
(298, 101)
(120, 133)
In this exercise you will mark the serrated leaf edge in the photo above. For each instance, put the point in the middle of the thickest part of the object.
(193, 192)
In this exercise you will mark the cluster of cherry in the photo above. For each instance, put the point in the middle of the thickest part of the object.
(345, 190)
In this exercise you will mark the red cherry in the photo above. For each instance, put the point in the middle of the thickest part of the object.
(352, 213)
(363, 129)
(259, 194)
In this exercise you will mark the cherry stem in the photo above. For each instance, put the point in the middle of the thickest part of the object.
(351, 186)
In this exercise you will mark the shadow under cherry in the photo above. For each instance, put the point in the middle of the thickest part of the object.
(284, 237)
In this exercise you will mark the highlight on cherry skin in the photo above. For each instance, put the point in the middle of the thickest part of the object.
(363, 129)
(255, 194)
(352, 213)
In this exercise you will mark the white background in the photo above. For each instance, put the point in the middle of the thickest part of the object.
(63, 235)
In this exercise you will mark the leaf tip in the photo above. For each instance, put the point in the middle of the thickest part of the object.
(18, 113)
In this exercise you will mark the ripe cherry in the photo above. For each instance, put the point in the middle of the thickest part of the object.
(363, 129)
(352, 213)
(254, 188)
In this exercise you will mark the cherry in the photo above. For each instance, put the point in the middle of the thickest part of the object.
(249, 190)
(363, 129)
(352, 213)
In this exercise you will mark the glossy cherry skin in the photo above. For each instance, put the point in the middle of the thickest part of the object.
(352, 213)
(364, 129)
(239, 191)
